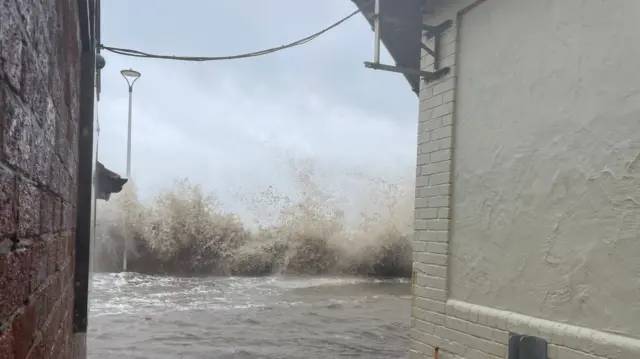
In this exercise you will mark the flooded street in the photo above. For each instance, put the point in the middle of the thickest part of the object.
(136, 316)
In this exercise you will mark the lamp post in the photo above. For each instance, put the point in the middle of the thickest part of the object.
(131, 76)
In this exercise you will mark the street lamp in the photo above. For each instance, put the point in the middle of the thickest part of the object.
(131, 76)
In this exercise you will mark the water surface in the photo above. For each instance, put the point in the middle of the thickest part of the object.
(136, 316)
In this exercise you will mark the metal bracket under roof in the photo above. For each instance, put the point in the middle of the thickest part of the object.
(426, 75)
(429, 32)
(435, 32)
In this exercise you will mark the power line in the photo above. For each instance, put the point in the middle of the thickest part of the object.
(136, 53)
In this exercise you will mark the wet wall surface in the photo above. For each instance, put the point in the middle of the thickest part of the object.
(547, 162)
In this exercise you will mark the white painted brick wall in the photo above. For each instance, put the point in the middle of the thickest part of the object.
(430, 327)
(462, 330)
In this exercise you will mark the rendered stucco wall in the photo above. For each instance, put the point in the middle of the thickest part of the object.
(532, 147)
(547, 163)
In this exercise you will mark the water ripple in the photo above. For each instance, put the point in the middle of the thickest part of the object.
(136, 316)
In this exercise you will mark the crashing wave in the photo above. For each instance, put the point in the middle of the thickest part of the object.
(184, 231)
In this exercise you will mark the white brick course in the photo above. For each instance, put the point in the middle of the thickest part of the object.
(440, 178)
(433, 270)
(444, 213)
(431, 168)
(431, 281)
(441, 155)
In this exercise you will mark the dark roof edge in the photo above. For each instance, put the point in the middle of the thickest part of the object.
(401, 32)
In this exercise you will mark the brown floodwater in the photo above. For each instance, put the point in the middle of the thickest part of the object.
(137, 316)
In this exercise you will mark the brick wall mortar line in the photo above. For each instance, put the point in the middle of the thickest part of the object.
(42, 259)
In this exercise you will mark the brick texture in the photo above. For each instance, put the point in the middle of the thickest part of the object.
(431, 327)
(39, 89)
(458, 329)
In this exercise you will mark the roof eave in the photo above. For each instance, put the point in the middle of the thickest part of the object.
(400, 31)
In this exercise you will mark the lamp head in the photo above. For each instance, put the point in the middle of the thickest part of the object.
(130, 73)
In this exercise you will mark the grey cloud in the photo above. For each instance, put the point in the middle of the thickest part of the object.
(233, 124)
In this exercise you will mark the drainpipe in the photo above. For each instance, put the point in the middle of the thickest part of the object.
(86, 22)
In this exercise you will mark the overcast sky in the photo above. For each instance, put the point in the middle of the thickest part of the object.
(233, 125)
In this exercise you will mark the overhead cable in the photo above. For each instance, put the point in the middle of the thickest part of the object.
(137, 53)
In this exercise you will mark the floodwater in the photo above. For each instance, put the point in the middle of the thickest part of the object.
(137, 316)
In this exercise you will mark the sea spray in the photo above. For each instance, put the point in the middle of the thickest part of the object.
(186, 231)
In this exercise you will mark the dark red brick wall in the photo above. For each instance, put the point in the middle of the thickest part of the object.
(39, 84)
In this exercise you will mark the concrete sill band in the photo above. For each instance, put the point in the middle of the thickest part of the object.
(470, 327)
